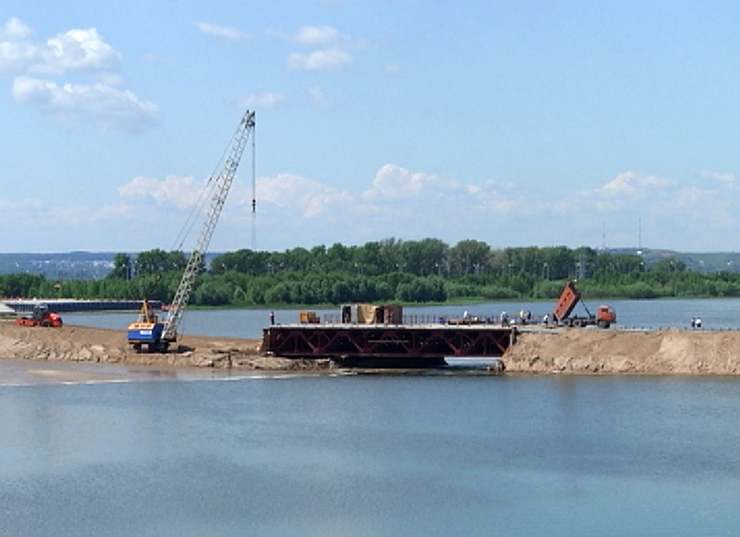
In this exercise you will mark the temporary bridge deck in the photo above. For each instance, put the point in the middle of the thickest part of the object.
(386, 343)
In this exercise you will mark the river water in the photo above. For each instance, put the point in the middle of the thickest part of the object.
(372, 456)
(379, 456)
(716, 314)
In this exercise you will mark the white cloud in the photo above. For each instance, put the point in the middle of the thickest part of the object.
(294, 210)
(722, 177)
(180, 192)
(7, 205)
(293, 191)
(318, 98)
(72, 51)
(318, 35)
(75, 51)
(106, 107)
(632, 184)
(73, 215)
(398, 202)
(320, 60)
(395, 182)
(262, 100)
(227, 33)
(115, 211)
(14, 29)
(689, 217)
(624, 192)
(691, 198)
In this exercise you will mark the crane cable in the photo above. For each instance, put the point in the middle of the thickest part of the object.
(254, 192)
(204, 196)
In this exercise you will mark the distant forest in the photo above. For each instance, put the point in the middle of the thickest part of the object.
(391, 270)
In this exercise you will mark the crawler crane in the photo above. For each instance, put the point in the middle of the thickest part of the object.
(148, 330)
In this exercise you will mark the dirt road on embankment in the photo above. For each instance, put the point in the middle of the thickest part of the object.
(566, 351)
(593, 351)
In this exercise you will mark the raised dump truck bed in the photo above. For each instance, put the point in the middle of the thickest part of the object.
(562, 314)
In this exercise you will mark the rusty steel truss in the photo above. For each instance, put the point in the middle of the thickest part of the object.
(386, 341)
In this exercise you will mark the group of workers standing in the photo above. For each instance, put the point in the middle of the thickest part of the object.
(524, 317)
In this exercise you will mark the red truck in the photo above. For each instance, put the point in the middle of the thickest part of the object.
(41, 316)
(562, 314)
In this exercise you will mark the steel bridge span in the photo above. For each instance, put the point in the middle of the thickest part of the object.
(381, 344)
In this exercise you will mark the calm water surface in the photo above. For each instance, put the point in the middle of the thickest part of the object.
(372, 456)
(426, 455)
(716, 314)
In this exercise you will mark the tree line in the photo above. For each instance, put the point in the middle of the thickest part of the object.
(390, 270)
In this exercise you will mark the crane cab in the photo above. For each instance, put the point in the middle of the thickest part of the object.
(605, 316)
(147, 331)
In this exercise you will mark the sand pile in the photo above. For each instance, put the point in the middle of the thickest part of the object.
(582, 351)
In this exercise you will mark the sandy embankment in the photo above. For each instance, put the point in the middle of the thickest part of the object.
(661, 352)
(83, 344)
(574, 351)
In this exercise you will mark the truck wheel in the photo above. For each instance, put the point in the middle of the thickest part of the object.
(45, 323)
(603, 324)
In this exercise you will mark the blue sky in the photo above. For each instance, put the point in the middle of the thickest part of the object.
(518, 123)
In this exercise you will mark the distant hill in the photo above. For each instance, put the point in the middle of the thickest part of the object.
(67, 266)
(707, 262)
(63, 266)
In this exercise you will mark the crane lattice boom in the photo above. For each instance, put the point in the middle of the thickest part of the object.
(221, 190)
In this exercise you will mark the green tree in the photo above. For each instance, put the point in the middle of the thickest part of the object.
(158, 262)
(122, 267)
(469, 257)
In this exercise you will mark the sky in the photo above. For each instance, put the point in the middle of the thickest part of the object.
(516, 123)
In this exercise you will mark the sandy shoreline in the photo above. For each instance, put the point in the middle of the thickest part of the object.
(83, 354)
(28, 354)
(593, 351)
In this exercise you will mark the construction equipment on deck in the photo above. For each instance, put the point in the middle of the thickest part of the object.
(605, 315)
(309, 317)
(41, 316)
(148, 330)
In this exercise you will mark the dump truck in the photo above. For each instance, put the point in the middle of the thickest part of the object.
(41, 316)
(562, 315)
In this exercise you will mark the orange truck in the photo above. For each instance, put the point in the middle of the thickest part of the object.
(570, 297)
(41, 316)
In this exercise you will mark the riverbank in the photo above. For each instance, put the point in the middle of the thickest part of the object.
(562, 351)
(71, 343)
(669, 351)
